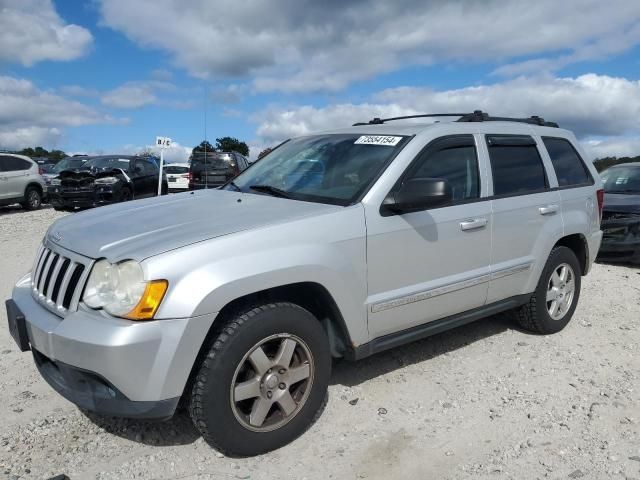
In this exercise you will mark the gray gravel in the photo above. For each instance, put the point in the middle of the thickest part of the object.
(486, 401)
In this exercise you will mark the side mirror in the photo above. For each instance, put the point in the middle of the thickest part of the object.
(418, 194)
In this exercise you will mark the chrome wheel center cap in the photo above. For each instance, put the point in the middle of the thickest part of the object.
(271, 381)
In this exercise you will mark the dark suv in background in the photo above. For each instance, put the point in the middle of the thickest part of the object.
(105, 179)
(214, 169)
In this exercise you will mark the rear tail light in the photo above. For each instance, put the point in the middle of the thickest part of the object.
(600, 195)
(190, 176)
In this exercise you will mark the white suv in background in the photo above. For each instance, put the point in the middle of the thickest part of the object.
(20, 181)
(177, 175)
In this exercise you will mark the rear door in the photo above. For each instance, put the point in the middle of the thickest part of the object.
(423, 266)
(14, 176)
(527, 216)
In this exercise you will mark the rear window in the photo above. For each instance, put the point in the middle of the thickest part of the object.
(569, 167)
(216, 160)
(622, 179)
(516, 165)
(175, 169)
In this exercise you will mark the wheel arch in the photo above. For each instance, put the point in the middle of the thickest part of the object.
(311, 296)
(35, 185)
(577, 243)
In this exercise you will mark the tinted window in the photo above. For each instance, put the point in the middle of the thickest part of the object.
(569, 168)
(173, 169)
(13, 164)
(622, 179)
(458, 164)
(149, 168)
(107, 163)
(69, 163)
(516, 166)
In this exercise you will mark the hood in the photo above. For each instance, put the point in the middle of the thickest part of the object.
(143, 228)
(621, 202)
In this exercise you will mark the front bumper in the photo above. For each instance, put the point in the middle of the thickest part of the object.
(65, 198)
(109, 365)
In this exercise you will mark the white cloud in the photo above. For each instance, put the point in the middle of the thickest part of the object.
(613, 147)
(175, 154)
(136, 94)
(590, 105)
(29, 116)
(309, 45)
(32, 31)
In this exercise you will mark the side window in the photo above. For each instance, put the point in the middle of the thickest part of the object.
(149, 168)
(453, 159)
(569, 167)
(516, 165)
(13, 164)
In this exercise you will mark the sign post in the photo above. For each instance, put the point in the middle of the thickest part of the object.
(162, 142)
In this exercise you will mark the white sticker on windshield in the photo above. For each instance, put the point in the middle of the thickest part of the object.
(378, 140)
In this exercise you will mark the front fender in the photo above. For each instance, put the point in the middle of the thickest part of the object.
(205, 277)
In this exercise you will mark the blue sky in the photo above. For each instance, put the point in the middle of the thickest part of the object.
(110, 75)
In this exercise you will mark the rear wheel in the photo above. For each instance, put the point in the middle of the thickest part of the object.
(555, 299)
(32, 199)
(263, 381)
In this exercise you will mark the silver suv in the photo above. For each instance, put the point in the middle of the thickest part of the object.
(354, 241)
(20, 181)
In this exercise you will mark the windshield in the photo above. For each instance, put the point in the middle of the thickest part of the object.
(621, 180)
(334, 169)
(68, 163)
(107, 163)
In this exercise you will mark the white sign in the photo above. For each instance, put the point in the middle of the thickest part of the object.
(378, 140)
(163, 142)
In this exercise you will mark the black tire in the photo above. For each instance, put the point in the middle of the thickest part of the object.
(125, 195)
(32, 199)
(210, 403)
(534, 315)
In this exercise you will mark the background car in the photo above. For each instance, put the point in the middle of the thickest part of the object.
(621, 214)
(51, 171)
(106, 179)
(214, 169)
(177, 176)
(20, 181)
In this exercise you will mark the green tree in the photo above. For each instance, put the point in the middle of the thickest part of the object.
(231, 144)
(203, 147)
(264, 152)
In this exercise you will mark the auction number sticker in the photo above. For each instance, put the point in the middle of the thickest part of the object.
(378, 140)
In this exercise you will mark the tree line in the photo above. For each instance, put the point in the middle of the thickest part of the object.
(602, 164)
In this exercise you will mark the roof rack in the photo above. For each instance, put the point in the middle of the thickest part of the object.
(476, 116)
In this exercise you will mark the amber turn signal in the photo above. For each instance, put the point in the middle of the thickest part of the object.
(150, 301)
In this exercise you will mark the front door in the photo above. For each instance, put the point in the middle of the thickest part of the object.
(423, 266)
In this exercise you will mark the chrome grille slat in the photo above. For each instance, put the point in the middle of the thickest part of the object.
(80, 286)
(45, 272)
(65, 284)
(38, 269)
(58, 278)
(54, 277)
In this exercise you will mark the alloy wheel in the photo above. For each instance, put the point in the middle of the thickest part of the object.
(272, 383)
(560, 291)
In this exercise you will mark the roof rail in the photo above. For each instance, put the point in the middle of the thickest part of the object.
(480, 116)
(380, 121)
(476, 116)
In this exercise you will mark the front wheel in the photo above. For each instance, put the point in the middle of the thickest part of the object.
(555, 299)
(263, 381)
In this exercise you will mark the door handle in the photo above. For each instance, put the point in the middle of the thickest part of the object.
(473, 224)
(548, 210)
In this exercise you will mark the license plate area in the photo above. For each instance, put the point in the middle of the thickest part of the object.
(17, 325)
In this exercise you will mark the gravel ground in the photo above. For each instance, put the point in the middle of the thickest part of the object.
(485, 401)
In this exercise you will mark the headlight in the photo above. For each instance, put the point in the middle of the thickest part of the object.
(106, 180)
(55, 181)
(120, 289)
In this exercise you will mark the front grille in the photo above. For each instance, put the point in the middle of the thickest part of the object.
(57, 280)
(77, 183)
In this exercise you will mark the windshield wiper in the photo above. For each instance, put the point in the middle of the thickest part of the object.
(233, 184)
(274, 191)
